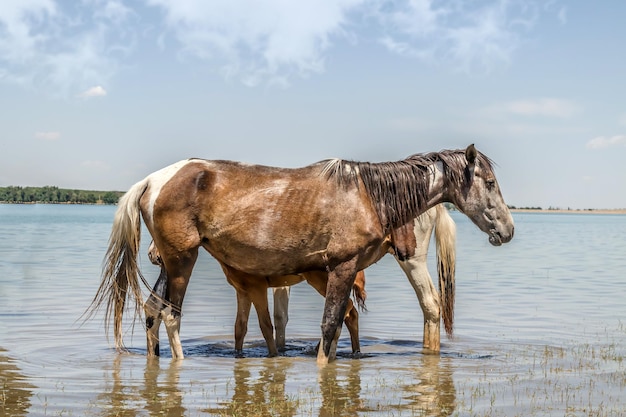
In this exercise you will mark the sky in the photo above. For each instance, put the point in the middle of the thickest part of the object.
(97, 94)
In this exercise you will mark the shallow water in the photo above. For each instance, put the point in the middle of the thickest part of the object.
(540, 330)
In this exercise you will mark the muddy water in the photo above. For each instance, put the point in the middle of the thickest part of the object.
(540, 330)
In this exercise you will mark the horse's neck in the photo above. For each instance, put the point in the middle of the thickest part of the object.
(437, 192)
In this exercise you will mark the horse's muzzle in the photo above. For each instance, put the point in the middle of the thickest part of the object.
(497, 238)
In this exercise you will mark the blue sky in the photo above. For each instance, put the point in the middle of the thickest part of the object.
(96, 94)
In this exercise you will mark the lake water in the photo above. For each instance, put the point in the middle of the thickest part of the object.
(540, 330)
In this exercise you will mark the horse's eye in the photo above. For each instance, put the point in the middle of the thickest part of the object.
(490, 184)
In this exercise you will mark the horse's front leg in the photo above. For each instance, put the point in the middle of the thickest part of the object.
(281, 315)
(340, 282)
(416, 271)
(152, 309)
(241, 321)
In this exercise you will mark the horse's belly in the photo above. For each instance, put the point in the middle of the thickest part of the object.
(265, 261)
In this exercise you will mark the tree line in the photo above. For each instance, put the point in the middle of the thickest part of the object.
(56, 195)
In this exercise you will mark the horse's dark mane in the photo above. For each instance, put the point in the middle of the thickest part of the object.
(399, 189)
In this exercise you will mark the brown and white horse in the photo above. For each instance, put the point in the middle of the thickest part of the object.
(330, 216)
(253, 290)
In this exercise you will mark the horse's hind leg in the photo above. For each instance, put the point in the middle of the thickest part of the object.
(154, 304)
(253, 289)
(281, 315)
(259, 299)
(179, 268)
(152, 309)
(352, 323)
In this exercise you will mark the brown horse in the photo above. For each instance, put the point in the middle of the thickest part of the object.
(264, 221)
(253, 290)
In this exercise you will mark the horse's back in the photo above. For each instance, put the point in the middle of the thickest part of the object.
(257, 217)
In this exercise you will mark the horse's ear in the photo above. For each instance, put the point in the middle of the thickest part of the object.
(470, 154)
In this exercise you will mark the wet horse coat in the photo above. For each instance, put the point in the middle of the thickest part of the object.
(330, 216)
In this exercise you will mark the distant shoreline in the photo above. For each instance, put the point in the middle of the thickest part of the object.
(574, 211)
(513, 210)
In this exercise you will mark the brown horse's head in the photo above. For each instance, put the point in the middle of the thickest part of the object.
(478, 196)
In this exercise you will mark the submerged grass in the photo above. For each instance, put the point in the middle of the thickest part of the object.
(578, 380)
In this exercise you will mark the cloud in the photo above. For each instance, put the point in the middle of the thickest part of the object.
(602, 142)
(276, 40)
(50, 136)
(468, 36)
(96, 91)
(544, 107)
(269, 40)
(562, 15)
(65, 46)
(59, 47)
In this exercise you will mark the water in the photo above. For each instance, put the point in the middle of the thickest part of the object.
(540, 330)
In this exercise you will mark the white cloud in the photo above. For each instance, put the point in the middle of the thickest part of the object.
(545, 107)
(268, 40)
(601, 142)
(275, 40)
(57, 46)
(48, 135)
(64, 46)
(562, 15)
(96, 91)
(459, 34)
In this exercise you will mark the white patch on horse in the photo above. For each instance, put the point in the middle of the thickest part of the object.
(158, 179)
(267, 221)
(437, 178)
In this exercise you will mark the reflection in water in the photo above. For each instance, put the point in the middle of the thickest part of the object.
(340, 387)
(15, 392)
(261, 394)
(162, 398)
(157, 393)
(374, 385)
(433, 392)
(423, 389)
(272, 387)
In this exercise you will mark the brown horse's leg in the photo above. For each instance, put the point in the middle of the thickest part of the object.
(253, 289)
(352, 323)
(319, 281)
(241, 322)
(281, 315)
(179, 269)
(259, 299)
(340, 281)
(152, 309)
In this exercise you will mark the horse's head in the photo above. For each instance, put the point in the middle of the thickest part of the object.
(479, 198)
